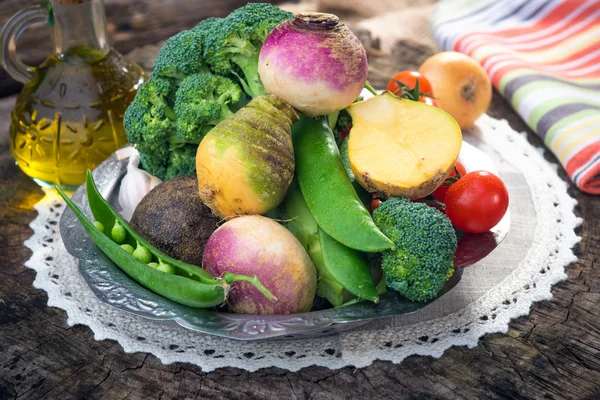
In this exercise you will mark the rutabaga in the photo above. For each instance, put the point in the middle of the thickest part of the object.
(245, 164)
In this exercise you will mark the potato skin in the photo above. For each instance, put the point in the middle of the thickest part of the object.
(383, 190)
(256, 245)
(173, 218)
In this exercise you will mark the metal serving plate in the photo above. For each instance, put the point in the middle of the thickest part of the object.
(113, 287)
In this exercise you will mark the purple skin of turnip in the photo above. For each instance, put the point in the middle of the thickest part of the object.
(255, 245)
(314, 63)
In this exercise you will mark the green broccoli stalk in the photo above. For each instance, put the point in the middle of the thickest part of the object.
(201, 102)
(235, 42)
(425, 244)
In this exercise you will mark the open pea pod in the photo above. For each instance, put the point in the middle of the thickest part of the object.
(189, 285)
(106, 215)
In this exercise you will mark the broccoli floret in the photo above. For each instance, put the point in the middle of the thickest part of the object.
(341, 123)
(235, 42)
(425, 244)
(201, 102)
(180, 56)
(182, 162)
(206, 27)
(154, 163)
(150, 124)
(149, 120)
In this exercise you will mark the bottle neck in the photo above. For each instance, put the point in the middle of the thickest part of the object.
(78, 29)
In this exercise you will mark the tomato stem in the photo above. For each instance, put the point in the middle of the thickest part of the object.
(405, 92)
(432, 201)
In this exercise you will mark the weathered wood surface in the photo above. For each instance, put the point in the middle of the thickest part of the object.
(553, 353)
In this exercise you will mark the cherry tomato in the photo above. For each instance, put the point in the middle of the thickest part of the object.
(429, 101)
(440, 193)
(374, 204)
(477, 202)
(409, 78)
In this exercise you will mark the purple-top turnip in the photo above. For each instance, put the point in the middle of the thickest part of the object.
(257, 245)
(314, 63)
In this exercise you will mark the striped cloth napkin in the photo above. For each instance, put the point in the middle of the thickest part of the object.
(543, 56)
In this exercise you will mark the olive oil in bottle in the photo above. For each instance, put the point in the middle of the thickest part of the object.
(68, 117)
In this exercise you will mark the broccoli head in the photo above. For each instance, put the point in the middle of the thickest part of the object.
(180, 56)
(150, 124)
(201, 102)
(234, 43)
(425, 244)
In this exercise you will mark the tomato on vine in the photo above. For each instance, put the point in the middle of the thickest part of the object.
(409, 79)
(412, 85)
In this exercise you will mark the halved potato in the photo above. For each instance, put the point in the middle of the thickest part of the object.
(401, 148)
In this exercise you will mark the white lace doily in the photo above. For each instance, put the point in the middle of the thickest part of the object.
(551, 251)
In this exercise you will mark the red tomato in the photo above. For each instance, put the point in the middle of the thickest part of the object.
(409, 78)
(374, 204)
(477, 202)
(429, 101)
(440, 193)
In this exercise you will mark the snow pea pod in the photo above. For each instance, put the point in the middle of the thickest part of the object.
(327, 189)
(190, 285)
(342, 271)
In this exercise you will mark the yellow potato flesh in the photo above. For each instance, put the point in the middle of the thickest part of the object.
(401, 147)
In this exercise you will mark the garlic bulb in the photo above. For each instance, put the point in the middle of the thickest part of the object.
(134, 186)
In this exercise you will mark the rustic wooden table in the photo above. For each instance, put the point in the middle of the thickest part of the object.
(553, 353)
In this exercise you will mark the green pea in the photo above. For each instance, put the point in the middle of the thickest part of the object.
(118, 233)
(328, 191)
(98, 226)
(128, 248)
(164, 267)
(142, 254)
